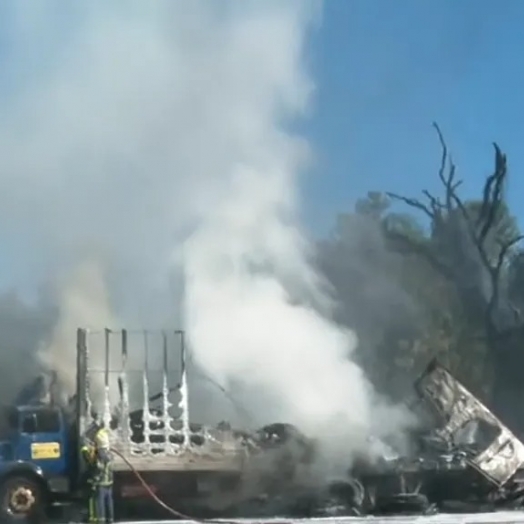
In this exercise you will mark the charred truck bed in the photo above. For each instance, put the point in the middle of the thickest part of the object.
(468, 457)
(117, 371)
(136, 383)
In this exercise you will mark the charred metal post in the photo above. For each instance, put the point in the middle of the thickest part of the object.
(152, 439)
(182, 351)
(184, 394)
(82, 397)
(166, 405)
(124, 401)
(107, 402)
(146, 414)
(87, 388)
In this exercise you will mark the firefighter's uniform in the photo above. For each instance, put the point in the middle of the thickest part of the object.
(104, 485)
(89, 456)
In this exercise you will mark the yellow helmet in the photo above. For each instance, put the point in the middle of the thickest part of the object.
(102, 438)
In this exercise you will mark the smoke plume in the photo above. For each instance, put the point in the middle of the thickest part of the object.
(82, 302)
(249, 316)
(153, 137)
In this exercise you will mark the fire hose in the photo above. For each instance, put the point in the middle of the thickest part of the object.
(159, 501)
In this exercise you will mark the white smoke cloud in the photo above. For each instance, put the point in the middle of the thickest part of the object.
(133, 130)
(248, 291)
(125, 133)
(83, 302)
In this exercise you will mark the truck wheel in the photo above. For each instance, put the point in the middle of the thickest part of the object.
(22, 499)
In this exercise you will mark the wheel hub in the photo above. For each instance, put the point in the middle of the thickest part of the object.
(21, 499)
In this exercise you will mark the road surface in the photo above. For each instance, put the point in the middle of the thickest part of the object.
(502, 517)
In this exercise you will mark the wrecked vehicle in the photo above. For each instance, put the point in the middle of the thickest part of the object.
(194, 468)
(467, 461)
(470, 461)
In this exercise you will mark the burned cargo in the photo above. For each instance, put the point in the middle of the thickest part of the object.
(468, 461)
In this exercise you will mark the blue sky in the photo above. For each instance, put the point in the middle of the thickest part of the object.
(386, 69)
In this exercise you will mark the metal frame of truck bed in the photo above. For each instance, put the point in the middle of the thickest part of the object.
(169, 442)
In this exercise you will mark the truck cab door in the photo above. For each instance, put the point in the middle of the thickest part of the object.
(42, 440)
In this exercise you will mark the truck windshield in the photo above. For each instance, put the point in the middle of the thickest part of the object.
(41, 421)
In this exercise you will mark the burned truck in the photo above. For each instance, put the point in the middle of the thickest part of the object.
(461, 458)
(136, 384)
(467, 460)
(464, 459)
(120, 375)
(197, 468)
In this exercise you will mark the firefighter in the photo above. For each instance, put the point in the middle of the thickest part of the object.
(88, 452)
(104, 485)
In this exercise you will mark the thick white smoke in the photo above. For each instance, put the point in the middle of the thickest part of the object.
(249, 294)
(135, 132)
(83, 302)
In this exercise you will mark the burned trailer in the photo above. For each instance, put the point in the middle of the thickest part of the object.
(116, 372)
(468, 461)
(202, 469)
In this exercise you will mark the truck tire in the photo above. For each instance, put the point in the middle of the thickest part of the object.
(22, 500)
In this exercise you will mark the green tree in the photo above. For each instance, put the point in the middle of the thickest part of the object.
(403, 311)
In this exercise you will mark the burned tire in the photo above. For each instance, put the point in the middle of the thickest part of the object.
(348, 495)
(405, 503)
(22, 500)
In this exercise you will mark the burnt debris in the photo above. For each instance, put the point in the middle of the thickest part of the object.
(468, 461)
(465, 460)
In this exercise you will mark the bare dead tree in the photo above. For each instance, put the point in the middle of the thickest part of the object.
(449, 215)
(441, 212)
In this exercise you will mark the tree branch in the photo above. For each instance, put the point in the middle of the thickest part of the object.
(492, 194)
(478, 228)
(436, 205)
(412, 202)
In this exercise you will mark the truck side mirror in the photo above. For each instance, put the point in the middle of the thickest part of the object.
(29, 423)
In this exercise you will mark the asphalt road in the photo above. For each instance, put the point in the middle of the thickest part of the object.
(506, 517)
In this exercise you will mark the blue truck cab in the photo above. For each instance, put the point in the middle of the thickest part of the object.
(38, 461)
